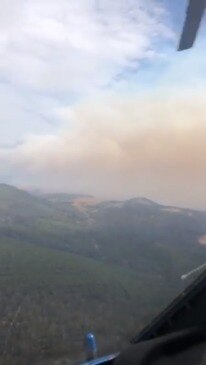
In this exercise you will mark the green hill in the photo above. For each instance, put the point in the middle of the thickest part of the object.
(27, 217)
(16, 203)
(50, 299)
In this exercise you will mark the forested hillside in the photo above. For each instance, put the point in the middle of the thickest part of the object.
(70, 264)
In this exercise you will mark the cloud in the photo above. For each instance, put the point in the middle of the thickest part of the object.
(119, 148)
(76, 45)
(53, 53)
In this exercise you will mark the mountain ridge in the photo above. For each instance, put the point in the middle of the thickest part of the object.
(64, 197)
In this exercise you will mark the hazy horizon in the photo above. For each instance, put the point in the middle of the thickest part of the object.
(95, 199)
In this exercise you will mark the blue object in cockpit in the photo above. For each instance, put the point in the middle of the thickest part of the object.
(91, 346)
(91, 352)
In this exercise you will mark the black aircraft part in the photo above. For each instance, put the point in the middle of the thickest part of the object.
(195, 12)
(186, 347)
(186, 311)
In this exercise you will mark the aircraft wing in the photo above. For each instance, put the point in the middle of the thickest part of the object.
(195, 12)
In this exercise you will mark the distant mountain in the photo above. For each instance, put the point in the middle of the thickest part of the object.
(71, 258)
(63, 197)
(128, 233)
(16, 203)
(22, 213)
(140, 201)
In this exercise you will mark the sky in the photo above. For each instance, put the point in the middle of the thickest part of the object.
(95, 99)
